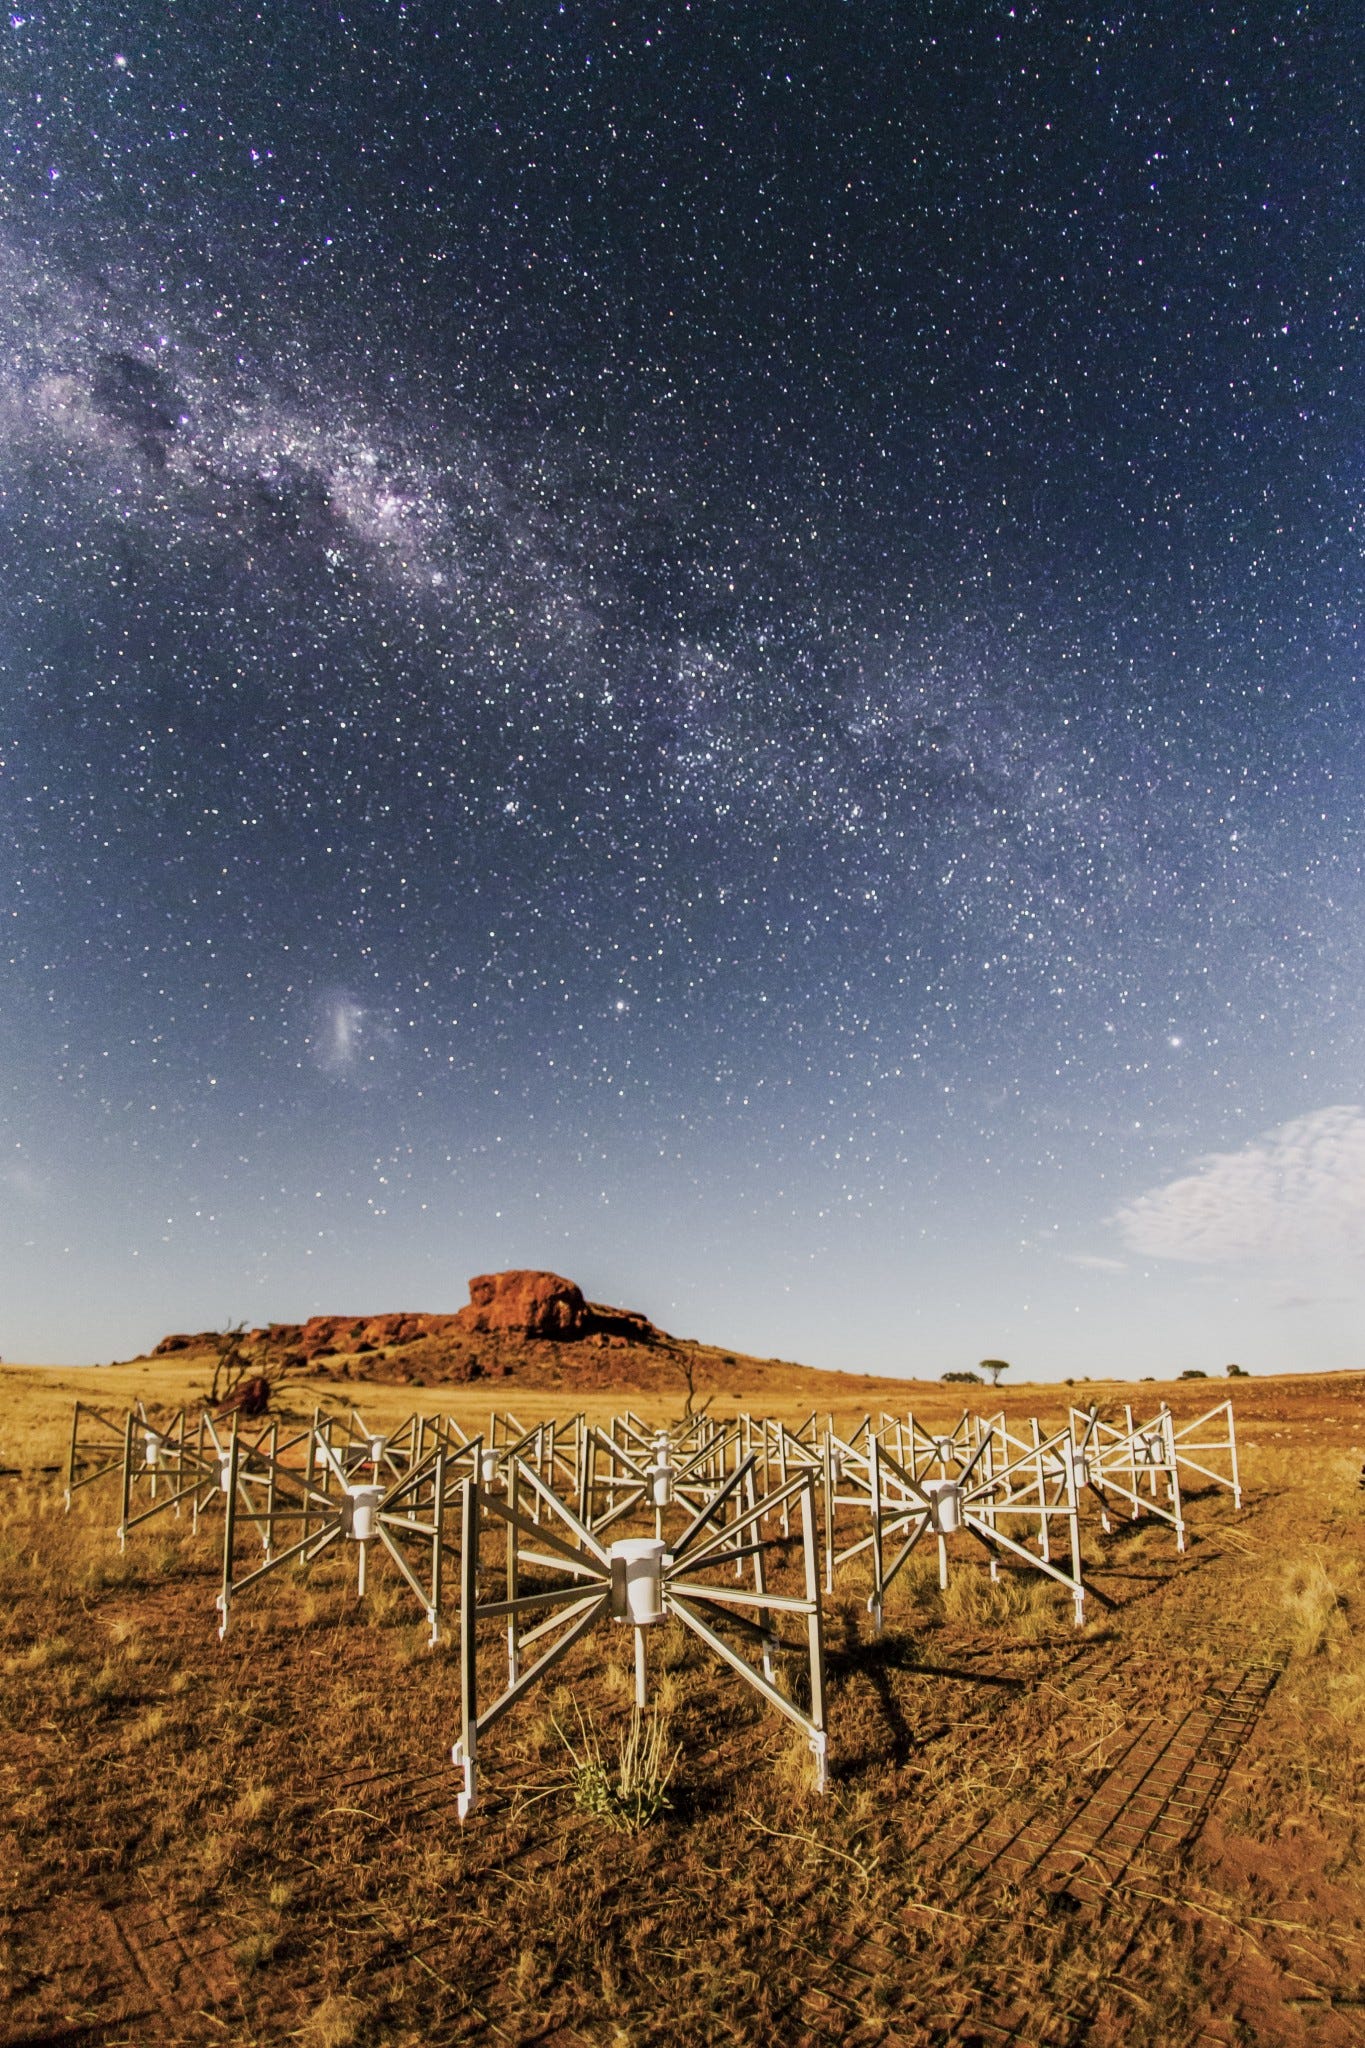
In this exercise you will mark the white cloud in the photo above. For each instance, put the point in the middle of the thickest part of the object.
(1296, 1194)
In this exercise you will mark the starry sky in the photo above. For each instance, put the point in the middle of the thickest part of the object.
(714, 646)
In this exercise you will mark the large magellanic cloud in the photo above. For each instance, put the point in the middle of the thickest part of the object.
(1295, 1194)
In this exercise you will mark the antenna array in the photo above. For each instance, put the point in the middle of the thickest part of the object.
(540, 1536)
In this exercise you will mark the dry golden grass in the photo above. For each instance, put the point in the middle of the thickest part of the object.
(256, 1841)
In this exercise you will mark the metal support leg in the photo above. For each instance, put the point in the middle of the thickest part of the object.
(463, 1755)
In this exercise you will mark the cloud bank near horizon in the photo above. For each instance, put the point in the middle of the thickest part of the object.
(1295, 1194)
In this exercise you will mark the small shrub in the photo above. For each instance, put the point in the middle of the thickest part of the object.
(631, 1791)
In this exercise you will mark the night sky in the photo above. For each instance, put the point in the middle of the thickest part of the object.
(716, 647)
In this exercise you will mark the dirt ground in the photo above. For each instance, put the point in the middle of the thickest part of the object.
(1148, 1830)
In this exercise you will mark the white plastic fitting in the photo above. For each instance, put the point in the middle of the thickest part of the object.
(637, 1580)
(1073, 1459)
(466, 1796)
(945, 1505)
(360, 1517)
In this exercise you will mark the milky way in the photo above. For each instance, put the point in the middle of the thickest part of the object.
(716, 653)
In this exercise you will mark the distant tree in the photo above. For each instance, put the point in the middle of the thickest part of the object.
(1238, 1372)
(685, 1365)
(964, 1379)
(1192, 1372)
(241, 1378)
(230, 1365)
(994, 1366)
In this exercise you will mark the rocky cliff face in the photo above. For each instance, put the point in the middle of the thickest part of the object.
(529, 1303)
(533, 1304)
(522, 1303)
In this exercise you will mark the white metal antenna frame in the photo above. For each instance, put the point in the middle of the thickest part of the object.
(905, 1509)
(160, 1464)
(1043, 1472)
(414, 1508)
(699, 1443)
(1032, 1479)
(501, 1445)
(159, 1470)
(504, 1431)
(785, 1451)
(708, 1446)
(925, 1452)
(638, 1581)
(162, 1469)
(358, 1445)
(97, 1446)
(1185, 1440)
(561, 1451)
(1136, 1464)
(628, 1483)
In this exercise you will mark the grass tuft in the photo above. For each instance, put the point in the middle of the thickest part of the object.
(336, 2023)
(1314, 1608)
(630, 1790)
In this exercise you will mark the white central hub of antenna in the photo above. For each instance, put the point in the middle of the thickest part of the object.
(1071, 1458)
(637, 1580)
(360, 1513)
(945, 1506)
(488, 1468)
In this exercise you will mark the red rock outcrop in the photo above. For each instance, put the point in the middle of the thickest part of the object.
(518, 1306)
(626, 1324)
(531, 1304)
(348, 1334)
(202, 1340)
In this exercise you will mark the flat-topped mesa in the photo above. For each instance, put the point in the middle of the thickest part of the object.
(520, 1303)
